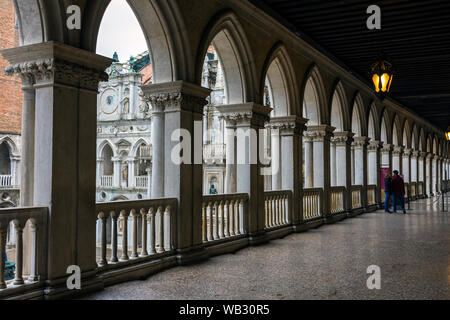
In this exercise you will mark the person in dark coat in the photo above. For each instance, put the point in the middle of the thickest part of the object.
(388, 191)
(398, 190)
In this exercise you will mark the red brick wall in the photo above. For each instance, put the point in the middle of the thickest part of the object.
(10, 92)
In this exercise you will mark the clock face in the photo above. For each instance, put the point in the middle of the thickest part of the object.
(109, 101)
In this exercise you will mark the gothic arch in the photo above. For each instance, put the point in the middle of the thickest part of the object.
(435, 146)
(372, 127)
(227, 36)
(13, 150)
(102, 146)
(30, 20)
(385, 133)
(137, 145)
(422, 141)
(396, 132)
(358, 123)
(279, 72)
(429, 144)
(415, 138)
(339, 109)
(314, 98)
(406, 138)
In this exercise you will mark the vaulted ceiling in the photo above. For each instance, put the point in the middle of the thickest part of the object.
(415, 35)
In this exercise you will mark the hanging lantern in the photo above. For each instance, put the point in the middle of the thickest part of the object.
(382, 74)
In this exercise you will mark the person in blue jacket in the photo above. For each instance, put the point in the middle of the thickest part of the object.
(388, 191)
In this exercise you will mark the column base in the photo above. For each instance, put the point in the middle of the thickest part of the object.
(191, 255)
(258, 238)
(57, 289)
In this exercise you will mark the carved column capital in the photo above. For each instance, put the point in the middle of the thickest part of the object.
(343, 138)
(292, 125)
(319, 133)
(374, 146)
(398, 150)
(246, 114)
(360, 142)
(176, 96)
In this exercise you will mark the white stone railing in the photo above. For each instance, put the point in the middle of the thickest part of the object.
(356, 196)
(158, 223)
(277, 206)
(37, 220)
(142, 182)
(214, 152)
(371, 192)
(106, 181)
(5, 181)
(337, 200)
(312, 203)
(224, 216)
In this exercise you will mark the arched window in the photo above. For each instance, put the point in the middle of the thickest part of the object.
(108, 167)
(5, 159)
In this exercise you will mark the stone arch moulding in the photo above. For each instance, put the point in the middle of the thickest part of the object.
(102, 147)
(168, 50)
(137, 145)
(30, 20)
(385, 124)
(313, 97)
(278, 69)
(358, 116)
(339, 115)
(14, 152)
(227, 35)
(415, 138)
(374, 131)
(422, 140)
(406, 135)
(397, 134)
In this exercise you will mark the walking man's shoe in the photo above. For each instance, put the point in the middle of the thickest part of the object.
(404, 211)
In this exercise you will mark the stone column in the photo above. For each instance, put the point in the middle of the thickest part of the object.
(131, 173)
(374, 164)
(428, 174)
(26, 72)
(414, 167)
(99, 172)
(182, 104)
(117, 172)
(309, 162)
(149, 183)
(321, 136)
(66, 86)
(360, 147)
(406, 167)
(343, 142)
(231, 159)
(15, 172)
(158, 143)
(386, 156)
(250, 122)
(333, 163)
(435, 174)
(291, 130)
(421, 167)
(397, 159)
(275, 155)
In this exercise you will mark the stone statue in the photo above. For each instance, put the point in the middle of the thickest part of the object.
(125, 173)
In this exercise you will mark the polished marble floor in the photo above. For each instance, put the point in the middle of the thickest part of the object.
(331, 262)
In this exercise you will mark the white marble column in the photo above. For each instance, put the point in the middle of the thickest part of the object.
(309, 162)
(15, 171)
(434, 174)
(275, 155)
(373, 163)
(149, 183)
(428, 174)
(231, 155)
(386, 156)
(131, 173)
(397, 155)
(406, 166)
(182, 104)
(117, 165)
(343, 142)
(250, 123)
(291, 130)
(158, 143)
(65, 131)
(360, 149)
(414, 167)
(333, 163)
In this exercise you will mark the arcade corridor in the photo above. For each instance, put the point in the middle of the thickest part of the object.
(325, 263)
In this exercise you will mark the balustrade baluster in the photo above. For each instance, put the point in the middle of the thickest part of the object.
(18, 280)
(241, 216)
(204, 223)
(151, 226)
(124, 215)
(134, 253)
(236, 217)
(231, 222)
(103, 220)
(221, 220)
(215, 221)
(160, 231)
(144, 251)
(33, 277)
(167, 229)
(226, 219)
(210, 221)
(114, 235)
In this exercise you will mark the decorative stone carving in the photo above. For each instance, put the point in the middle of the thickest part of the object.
(288, 125)
(398, 150)
(374, 146)
(245, 114)
(360, 142)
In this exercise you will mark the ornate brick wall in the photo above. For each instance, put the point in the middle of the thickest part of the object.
(10, 92)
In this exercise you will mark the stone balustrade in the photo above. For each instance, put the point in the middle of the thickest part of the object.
(106, 181)
(371, 192)
(312, 203)
(142, 182)
(36, 218)
(5, 181)
(337, 200)
(356, 193)
(277, 206)
(224, 216)
(157, 219)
